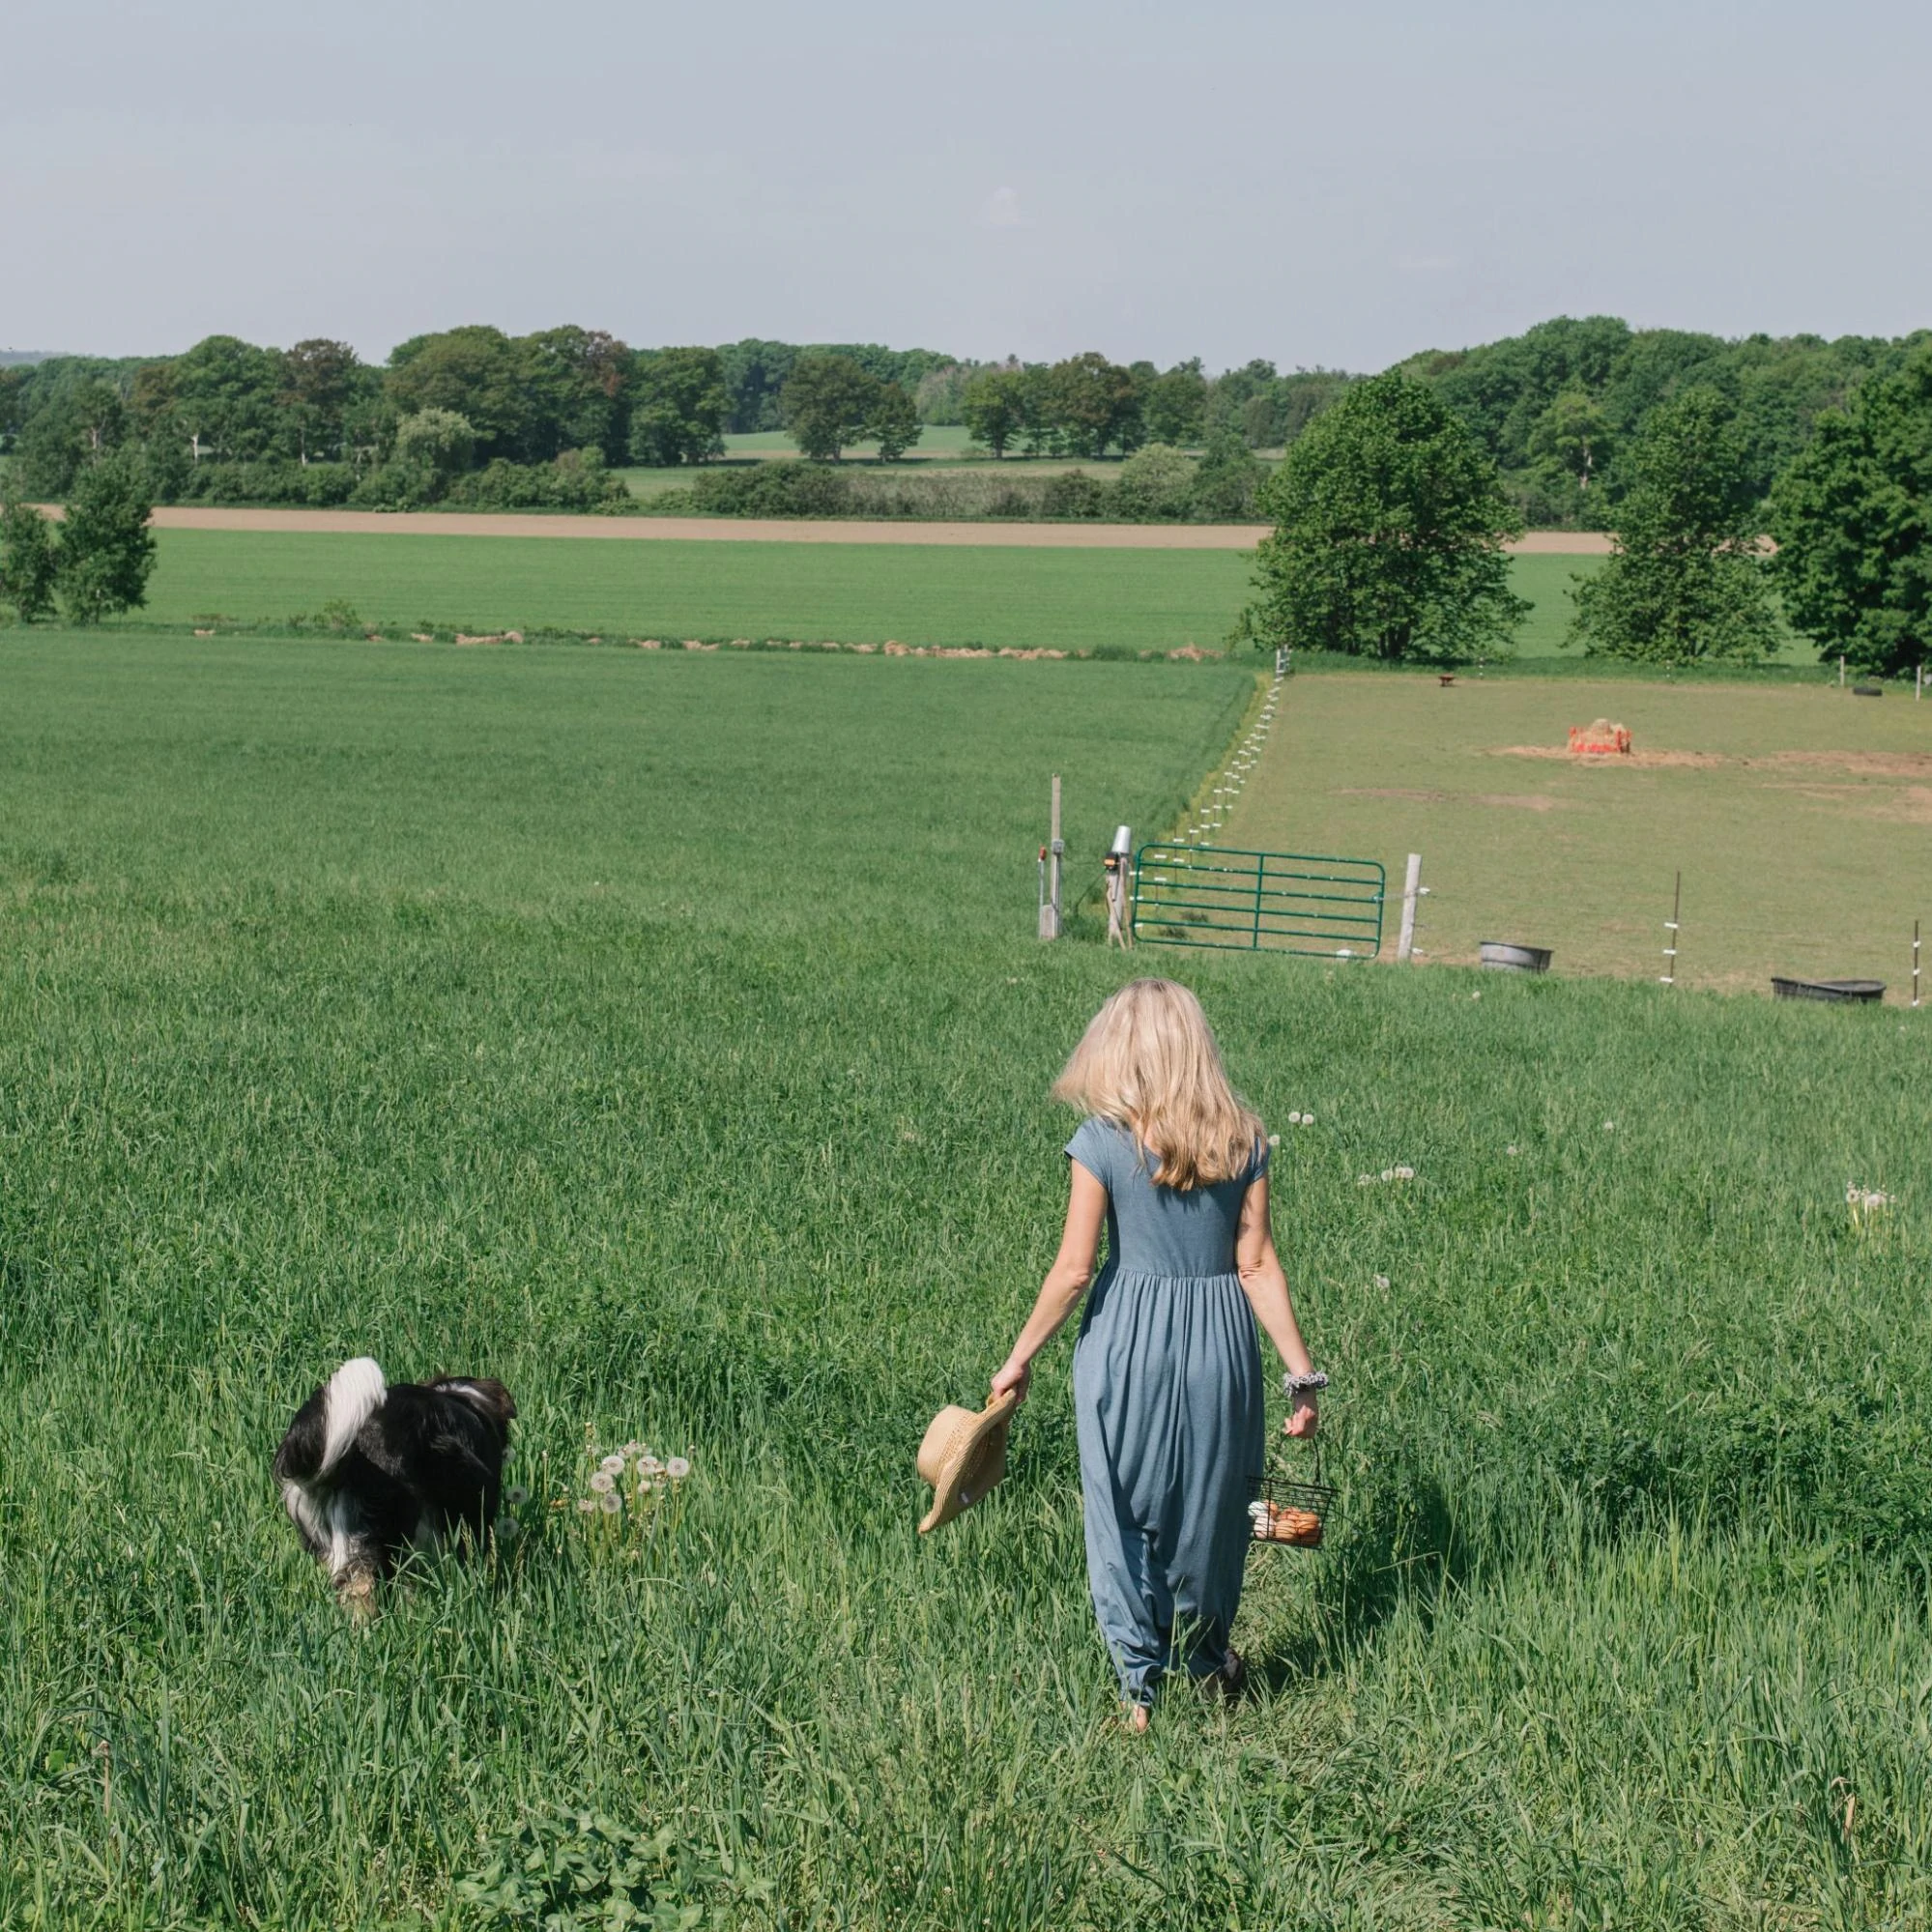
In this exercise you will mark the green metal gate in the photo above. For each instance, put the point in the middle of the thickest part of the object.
(1266, 902)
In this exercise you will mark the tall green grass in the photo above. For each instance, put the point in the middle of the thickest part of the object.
(663, 1035)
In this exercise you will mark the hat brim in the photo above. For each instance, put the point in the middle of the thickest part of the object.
(974, 1464)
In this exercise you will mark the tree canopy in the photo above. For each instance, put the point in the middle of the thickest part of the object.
(1388, 532)
(1684, 581)
(1852, 519)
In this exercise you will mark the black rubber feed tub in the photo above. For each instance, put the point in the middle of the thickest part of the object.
(1843, 992)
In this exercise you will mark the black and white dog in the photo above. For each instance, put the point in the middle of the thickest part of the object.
(369, 1472)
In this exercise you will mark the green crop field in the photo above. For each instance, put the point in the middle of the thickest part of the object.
(1051, 598)
(664, 1034)
(1056, 598)
(1801, 817)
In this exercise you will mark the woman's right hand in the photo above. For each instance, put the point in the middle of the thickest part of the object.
(1305, 1420)
(1013, 1380)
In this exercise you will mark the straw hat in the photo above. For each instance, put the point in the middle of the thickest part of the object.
(962, 1457)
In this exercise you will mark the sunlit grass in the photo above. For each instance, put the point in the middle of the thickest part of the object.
(664, 1034)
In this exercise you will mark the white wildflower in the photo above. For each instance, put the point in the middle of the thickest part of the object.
(1308, 1119)
(1365, 1180)
(516, 1495)
(585, 1504)
(1381, 1281)
(677, 1468)
(508, 1529)
(603, 1483)
(1274, 1140)
(631, 1450)
(648, 1465)
(1403, 1173)
(612, 1465)
(610, 1503)
(1609, 1127)
(1511, 1148)
(1387, 1174)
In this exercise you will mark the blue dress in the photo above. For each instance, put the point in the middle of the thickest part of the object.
(1169, 1398)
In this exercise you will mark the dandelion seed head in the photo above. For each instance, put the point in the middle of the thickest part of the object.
(1511, 1149)
(648, 1465)
(610, 1503)
(603, 1483)
(516, 1495)
(677, 1468)
(508, 1529)
(1381, 1281)
(611, 1465)
(585, 1504)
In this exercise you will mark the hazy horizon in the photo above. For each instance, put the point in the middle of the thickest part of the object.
(1287, 183)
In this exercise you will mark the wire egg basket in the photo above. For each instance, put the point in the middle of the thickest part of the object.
(1290, 1512)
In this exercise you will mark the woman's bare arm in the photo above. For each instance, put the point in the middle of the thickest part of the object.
(1066, 1281)
(1266, 1287)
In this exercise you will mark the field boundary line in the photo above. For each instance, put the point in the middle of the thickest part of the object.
(779, 529)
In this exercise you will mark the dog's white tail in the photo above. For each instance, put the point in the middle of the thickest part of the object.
(355, 1393)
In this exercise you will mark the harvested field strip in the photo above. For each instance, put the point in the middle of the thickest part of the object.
(771, 529)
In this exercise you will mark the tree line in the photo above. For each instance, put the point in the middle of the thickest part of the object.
(1391, 518)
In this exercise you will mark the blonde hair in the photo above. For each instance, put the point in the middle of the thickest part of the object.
(1148, 1061)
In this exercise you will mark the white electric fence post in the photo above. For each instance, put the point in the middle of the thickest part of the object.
(1049, 900)
(1914, 961)
(1669, 975)
(1406, 945)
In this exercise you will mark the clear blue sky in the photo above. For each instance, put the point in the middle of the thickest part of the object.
(1338, 183)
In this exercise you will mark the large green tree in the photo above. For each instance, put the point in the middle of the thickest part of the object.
(1852, 519)
(994, 407)
(319, 381)
(828, 402)
(106, 551)
(678, 408)
(893, 422)
(1389, 533)
(1174, 408)
(28, 560)
(476, 372)
(1091, 404)
(1684, 580)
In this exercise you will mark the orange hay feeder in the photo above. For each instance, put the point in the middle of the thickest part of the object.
(1600, 739)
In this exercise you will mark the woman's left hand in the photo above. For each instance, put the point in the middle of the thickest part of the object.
(1304, 1420)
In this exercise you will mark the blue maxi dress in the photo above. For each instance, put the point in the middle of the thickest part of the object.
(1168, 1400)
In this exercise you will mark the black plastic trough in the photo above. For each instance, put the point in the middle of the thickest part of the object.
(1846, 991)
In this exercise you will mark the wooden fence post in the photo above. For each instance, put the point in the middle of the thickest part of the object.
(1406, 945)
(1049, 901)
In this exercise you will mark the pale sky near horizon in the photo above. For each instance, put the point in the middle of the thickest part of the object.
(1337, 184)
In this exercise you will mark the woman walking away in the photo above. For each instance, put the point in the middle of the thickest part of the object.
(1167, 1370)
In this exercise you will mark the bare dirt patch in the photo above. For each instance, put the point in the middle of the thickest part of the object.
(778, 529)
(1621, 762)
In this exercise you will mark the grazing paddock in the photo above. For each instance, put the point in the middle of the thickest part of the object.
(1802, 818)
(664, 1034)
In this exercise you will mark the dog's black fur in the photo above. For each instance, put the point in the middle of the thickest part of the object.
(369, 1472)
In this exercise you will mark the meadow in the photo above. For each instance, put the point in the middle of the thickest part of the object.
(1063, 599)
(665, 1033)
(1800, 816)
